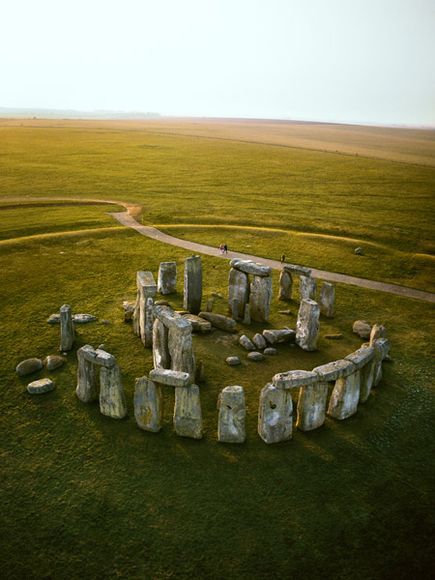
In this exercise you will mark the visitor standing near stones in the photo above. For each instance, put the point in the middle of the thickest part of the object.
(225, 249)
(282, 258)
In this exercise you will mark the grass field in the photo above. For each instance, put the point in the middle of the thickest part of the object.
(87, 496)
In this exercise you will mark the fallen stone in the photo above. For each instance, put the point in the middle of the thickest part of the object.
(293, 379)
(275, 411)
(270, 351)
(232, 413)
(170, 377)
(53, 362)
(219, 321)
(359, 251)
(28, 366)
(233, 361)
(54, 318)
(279, 336)
(84, 318)
(362, 328)
(255, 356)
(249, 267)
(41, 386)
(198, 324)
(259, 341)
(246, 342)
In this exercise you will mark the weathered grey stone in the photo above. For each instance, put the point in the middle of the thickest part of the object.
(238, 290)
(381, 348)
(83, 318)
(67, 334)
(147, 338)
(167, 278)
(345, 397)
(87, 389)
(233, 361)
(362, 328)
(169, 317)
(187, 412)
(53, 362)
(128, 310)
(359, 251)
(270, 351)
(275, 412)
(312, 406)
(181, 350)
(192, 284)
(40, 386)
(285, 285)
(293, 379)
(247, 315)
(232, 412)
(219, 321)
(295, 269)
(255, 356)
(54, 318)
(334, 370)
(198, 324)
(161, 356)
(98, 356)
(259, 341)
(260, 298)
(170, 377)
(246, 342)
(112, 398)
(307, 288)
(249, 267)
(146, 288)
(327, 299)
(367, 376)
(28, 366)
(148, 405)
(361, 357)
(279, 336)
(307, 325)
(377, 331)
(234, 309)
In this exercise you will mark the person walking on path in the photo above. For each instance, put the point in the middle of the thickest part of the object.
(282, 258)
(225, 249)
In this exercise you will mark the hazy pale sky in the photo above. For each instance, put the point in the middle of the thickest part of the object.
(338, 60)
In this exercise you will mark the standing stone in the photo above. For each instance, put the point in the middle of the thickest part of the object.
(192, 284)
(382, 348)
(345, 396)
(148, 405)
(87, 389)
(275, 412)
(167, 278)
(307, 288)
(377, 331)
(146, 288)
(362, 360)
(327, 300)
(260, 298)
(181, 348)
(235, 309)
(238, 289)
(149, 321)
(312, 406)
(161, 356)
(232, 412)
(307, 326)
(247, 315)
(112, 398)
(285, 285)
(67, 334)
(187, 412)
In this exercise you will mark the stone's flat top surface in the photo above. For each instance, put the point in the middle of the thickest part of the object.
(382, 344)
(198, 324)
(233, 361)
(168, 264)
(334, 370)
(170, 377)
(171, 318)
(295, 269)
(361, 356)
(219, 320)
(97, 356)
(65, 308)
(250, 267)
(41, 386)
(145, 278)
(296, 378)
(233, 390)
(309, 301)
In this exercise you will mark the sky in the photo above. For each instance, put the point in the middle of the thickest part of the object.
(366, 61)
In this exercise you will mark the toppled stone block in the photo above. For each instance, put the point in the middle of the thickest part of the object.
(246, 342)
(53, 362)
(232, 413)
(41, 386)
(83, 318)
(270, 351)
(219, 321)
(255, 356)
(279, 336)
(148, 405)
(275, 414)
(198, 324)
(28, 366)
(170, 377)
(293, 379)
(259, 341)
(362, 328)
(250, 267)
(233, 361)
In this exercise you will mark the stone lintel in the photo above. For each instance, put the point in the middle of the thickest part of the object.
(170, 378)
(250, 267)
(293, 379)
(295, 269)
(172, 319)
(361, 356)
(97, 356)
(335, 370)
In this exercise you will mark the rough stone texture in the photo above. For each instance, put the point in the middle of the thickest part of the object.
(246, 342)
(279, 336)
(147, 338)
(167, 278)
(260, 298)
(170, 377)
(255, 356)
(270, 351)
(381, 348)
(28, 366)
(192, 284)
(247, 315)
(187, 412)
(54, 318)
(83, 318)
(293, 379)
(148, 405)
(146, 288)
(98, 356)
(233, 361)
(112, 398)
(307, 326)
(362, 328)
(359, 251)
(168, 316)
(238, 290)
(345, 397)
(285, 285)
(295, 269)
(275, 412)
(307, 288)
(87, 389)
(219, 321)
(361, 357)
(378, 331)
(53, 362)
(67, 334)
(198, 324)
(249, 267)
(312, 406)
(128, 310)
(181, 350)
(334, 370)
(259, 341)
(232, 412)
(161, 356)
(327, 299)
(40, 386)
(367, 376)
